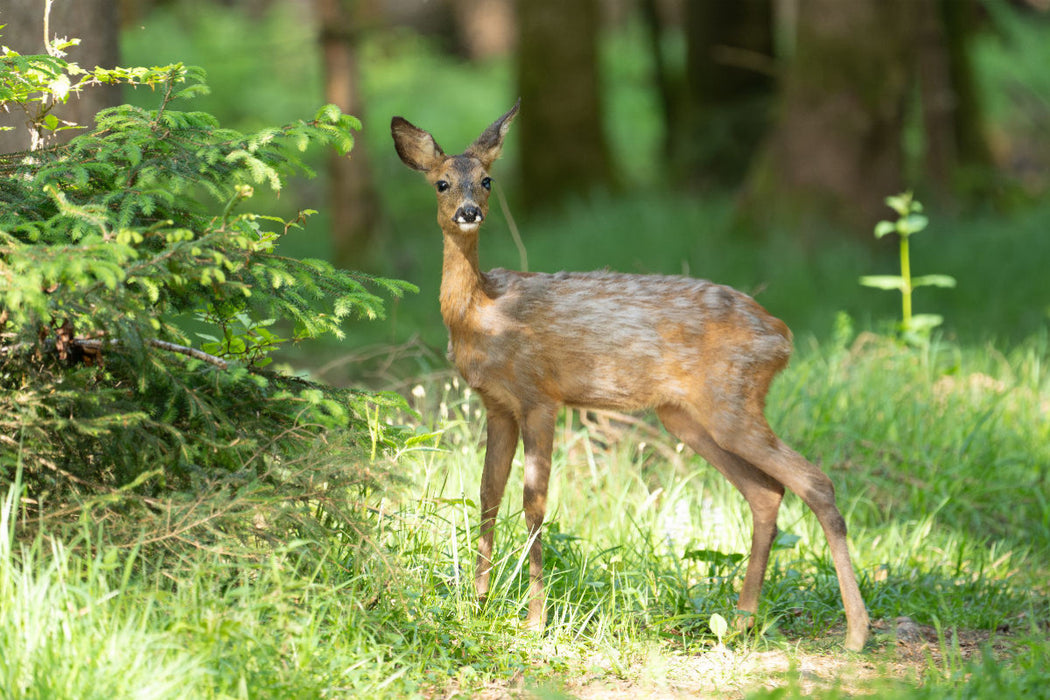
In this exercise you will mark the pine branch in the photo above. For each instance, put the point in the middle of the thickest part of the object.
(96, 344)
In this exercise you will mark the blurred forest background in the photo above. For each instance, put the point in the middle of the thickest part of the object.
(750, 142)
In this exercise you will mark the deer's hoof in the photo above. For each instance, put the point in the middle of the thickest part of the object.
(856, 639)
(536, 621)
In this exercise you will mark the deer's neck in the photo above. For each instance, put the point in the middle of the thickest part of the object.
(461, 280)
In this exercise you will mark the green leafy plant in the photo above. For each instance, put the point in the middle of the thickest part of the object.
(719, 627)
(910, 220)
(117, 251)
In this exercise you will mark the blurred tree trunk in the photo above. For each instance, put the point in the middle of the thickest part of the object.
(96, 24)
(938, 98)
(730, 86)
(836, 149)
(717, 113)
(485, 28)
(563, 146)
(953, 117)
(669, 85)
(352, 200)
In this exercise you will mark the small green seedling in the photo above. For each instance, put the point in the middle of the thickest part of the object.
(910, 220)
(719, 627)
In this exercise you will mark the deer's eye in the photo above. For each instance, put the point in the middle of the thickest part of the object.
(486, 182)
(443, 185)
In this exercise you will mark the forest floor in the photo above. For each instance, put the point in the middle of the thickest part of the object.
(901, 653)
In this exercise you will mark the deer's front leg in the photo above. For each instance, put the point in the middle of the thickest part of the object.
(502, 431)
(538, 436)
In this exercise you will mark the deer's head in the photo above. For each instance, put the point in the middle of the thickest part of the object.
(462, 182)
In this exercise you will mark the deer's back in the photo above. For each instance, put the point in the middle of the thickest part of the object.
(614, 340)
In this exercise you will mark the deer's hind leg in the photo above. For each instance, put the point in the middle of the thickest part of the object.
(502, 441)
(762, 493)
(817, 491)
(747, 435)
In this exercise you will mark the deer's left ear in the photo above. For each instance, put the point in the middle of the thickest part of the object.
(417, 148)
(488, 146)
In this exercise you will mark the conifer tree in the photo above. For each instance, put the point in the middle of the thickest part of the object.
(111, 246)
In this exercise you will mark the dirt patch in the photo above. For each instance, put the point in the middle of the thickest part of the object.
(901, 651)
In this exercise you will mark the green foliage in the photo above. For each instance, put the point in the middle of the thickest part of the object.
(112, 247)
(35, 84)
(1015, 88)
(271, 72)
(911, 220)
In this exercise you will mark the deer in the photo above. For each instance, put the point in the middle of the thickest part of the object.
(702, 355)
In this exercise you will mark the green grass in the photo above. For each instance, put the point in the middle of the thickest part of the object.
(940, 459)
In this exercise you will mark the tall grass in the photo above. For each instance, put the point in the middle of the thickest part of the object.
(67, 629)
(940, 458)
(89, 619)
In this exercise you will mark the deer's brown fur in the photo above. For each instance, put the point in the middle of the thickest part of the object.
(701, 354)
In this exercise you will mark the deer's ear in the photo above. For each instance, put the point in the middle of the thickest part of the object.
(417, 148)
(488, 146)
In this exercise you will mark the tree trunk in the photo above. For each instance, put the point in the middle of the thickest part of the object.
(485, 27)
(352, 200)
(670, 85)
(938, 98)
(729, 90)
(953, 118)
(836, 149)
(96, 24)
(971, 143)
(563, 147)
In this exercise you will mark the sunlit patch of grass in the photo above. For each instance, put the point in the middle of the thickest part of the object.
(68, 628)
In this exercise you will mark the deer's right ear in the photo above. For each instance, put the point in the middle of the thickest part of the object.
(417, 148)
(488, 146)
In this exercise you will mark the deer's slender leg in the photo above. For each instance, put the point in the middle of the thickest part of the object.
(538, 436)
(772, 456)
(762, 493)
(502, 430)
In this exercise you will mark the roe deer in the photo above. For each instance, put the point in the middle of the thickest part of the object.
(703, 355)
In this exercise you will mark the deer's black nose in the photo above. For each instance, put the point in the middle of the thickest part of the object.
(469, 214)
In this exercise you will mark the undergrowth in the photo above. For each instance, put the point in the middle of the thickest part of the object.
(940, 461)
